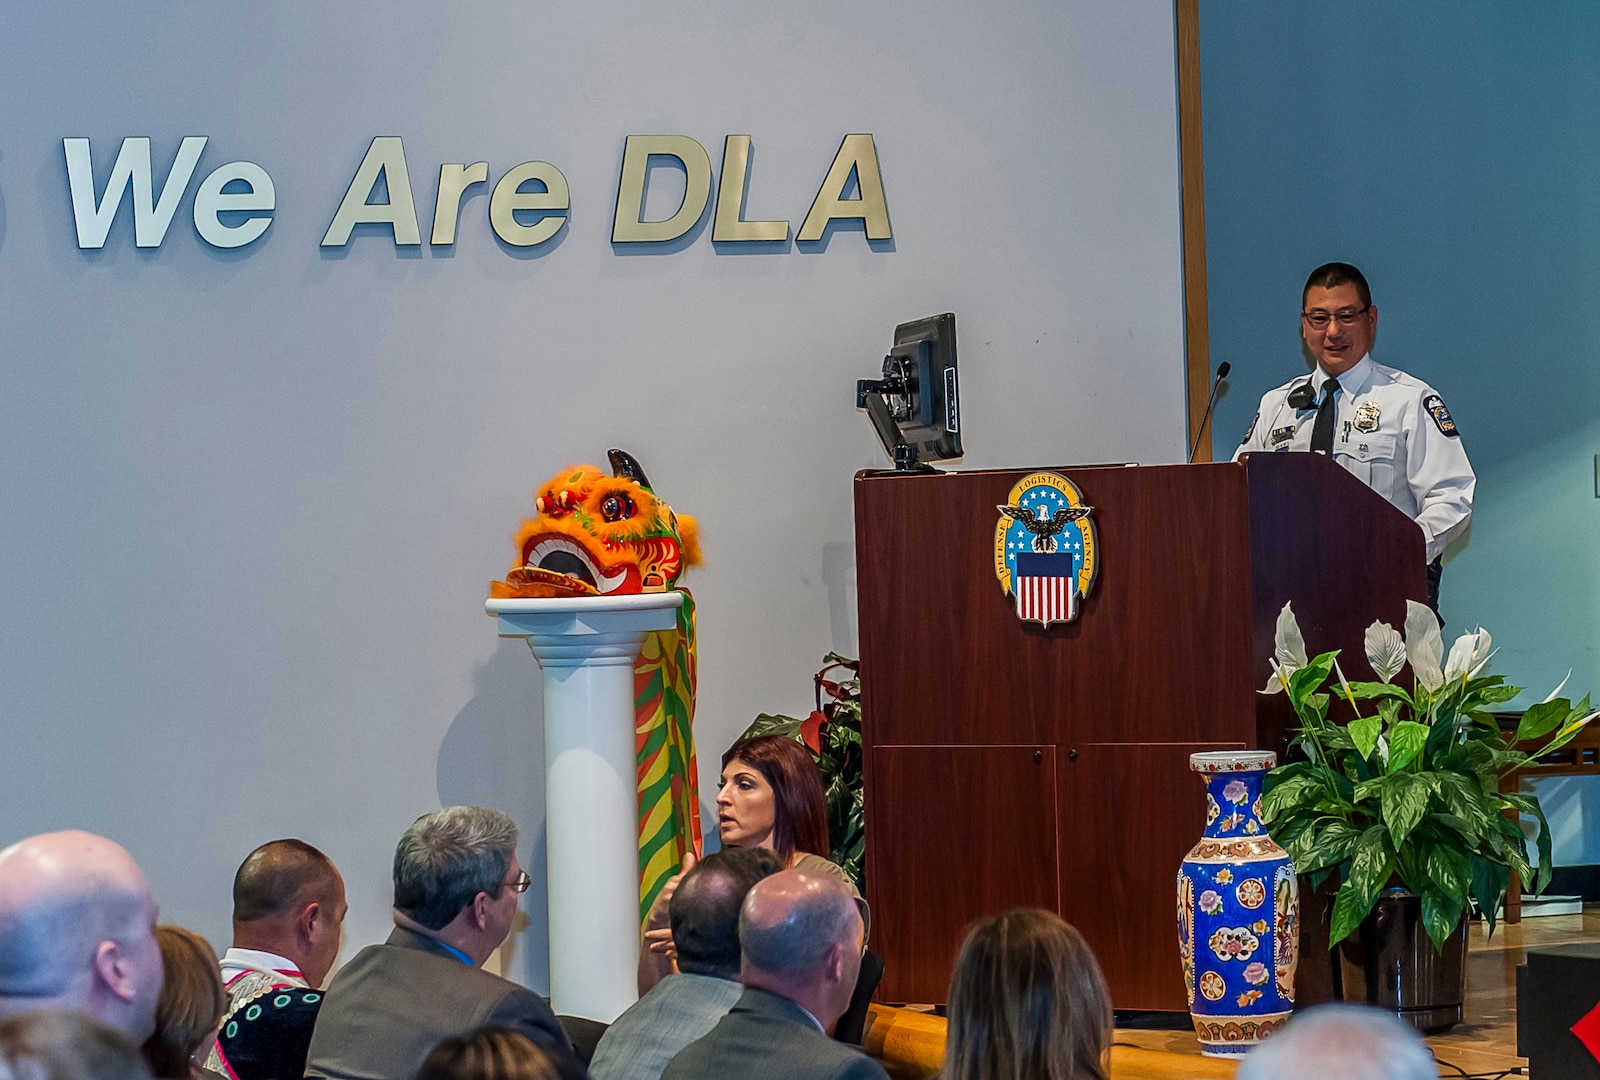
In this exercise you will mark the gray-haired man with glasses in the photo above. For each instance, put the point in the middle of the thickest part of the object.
(456, 883)
(1389, 429)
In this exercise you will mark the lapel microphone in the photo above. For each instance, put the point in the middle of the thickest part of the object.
(1222, 373)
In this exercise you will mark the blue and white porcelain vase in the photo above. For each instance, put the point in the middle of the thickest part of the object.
(1238, 911)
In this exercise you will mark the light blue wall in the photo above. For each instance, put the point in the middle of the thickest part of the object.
(252, 501)
(1452, 151)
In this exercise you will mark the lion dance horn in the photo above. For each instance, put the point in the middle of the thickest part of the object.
(627, 466)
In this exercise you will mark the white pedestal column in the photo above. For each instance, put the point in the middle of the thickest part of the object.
(586, 647)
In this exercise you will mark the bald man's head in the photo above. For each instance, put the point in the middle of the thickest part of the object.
(76, 922)
(1341, 1042)
(801, 936)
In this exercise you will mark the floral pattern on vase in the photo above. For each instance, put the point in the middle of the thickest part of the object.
(1238, 911)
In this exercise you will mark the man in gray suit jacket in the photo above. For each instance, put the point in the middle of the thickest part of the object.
(456, 882)
(704, 914)
(801, 936)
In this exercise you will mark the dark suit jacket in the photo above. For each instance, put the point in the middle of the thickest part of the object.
(772, 1038)
(390, 1005)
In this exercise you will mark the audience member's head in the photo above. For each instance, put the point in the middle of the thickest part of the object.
(1341, 1042)
(489, 1053)
(288, 899)
(704, 910)
(456, 877)
(190, 1007)
(1027, 999)
(57, 1044)
(76, 922)
(778, 803)
(801, 937)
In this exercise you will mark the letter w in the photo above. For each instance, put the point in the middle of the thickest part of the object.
(150, 220)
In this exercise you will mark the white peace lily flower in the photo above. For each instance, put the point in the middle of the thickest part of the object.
(1551, 696)
(1386, 650)
(1288, 651)
(1467, 654)
(1277, 682)
(1473, 674)
(1424, 646)
(1345, 685)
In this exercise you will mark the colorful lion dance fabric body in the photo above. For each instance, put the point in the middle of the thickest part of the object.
(599, 535)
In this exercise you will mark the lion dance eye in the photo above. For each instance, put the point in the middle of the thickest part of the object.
(616, 507)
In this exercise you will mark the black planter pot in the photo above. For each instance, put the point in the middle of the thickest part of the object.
(1390, 962)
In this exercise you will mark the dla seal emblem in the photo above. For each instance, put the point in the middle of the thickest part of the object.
(1045, 549)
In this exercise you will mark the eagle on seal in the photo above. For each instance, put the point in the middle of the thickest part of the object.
(1044, 529)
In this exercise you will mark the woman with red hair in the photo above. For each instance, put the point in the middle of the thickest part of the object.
(770, 796)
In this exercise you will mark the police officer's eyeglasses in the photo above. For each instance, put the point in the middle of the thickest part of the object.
(1318, 319)
(521, 884)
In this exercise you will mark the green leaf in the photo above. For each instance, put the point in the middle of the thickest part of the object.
(1447, 869)
(1291, 828)
(1365, 731)
(1327, 843)
(1284, 773)
(1308, 679)
(1493, 695)
(1364, 691)
(1406, 740)
(1350, 907)
(1465, 802)
(1458, 824)
(1542, 844)
(1371, 862)
(1404, 800)
(1576, 720)
(1289, 796)
(1541, 719)
(1441, 915)
(1337, 737)
(1489, 883)
(773, 724)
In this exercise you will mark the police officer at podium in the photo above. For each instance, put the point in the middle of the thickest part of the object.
(1390, 429)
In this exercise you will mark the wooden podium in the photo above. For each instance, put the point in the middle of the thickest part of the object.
(1008, 765)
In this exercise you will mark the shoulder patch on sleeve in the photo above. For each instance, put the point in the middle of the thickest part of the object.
(1251, 430)
(1433, 404)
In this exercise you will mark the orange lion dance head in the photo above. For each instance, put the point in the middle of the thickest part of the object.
(599, 535)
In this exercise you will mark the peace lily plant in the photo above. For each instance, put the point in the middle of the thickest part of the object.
(1409, 791)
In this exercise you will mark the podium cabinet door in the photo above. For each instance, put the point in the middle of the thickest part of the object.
(955, 833)
(1130, 813)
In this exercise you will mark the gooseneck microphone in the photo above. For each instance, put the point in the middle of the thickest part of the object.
(1216, 384)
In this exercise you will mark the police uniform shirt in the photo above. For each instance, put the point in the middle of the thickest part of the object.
(1392, 432)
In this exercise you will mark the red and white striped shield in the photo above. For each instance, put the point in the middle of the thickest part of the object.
(1047, 587)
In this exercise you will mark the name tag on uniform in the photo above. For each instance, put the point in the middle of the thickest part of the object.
(1280, 435)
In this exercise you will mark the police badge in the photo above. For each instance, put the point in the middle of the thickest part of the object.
(1367, 416)
(1045, 548)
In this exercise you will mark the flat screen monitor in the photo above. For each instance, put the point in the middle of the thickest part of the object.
(916, 407)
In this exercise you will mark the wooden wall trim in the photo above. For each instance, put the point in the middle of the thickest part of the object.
(1191, 177)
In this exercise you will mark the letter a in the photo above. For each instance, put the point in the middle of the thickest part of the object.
(387, 157)
(858, 154)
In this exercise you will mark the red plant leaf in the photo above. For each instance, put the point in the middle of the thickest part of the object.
(811, 731)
